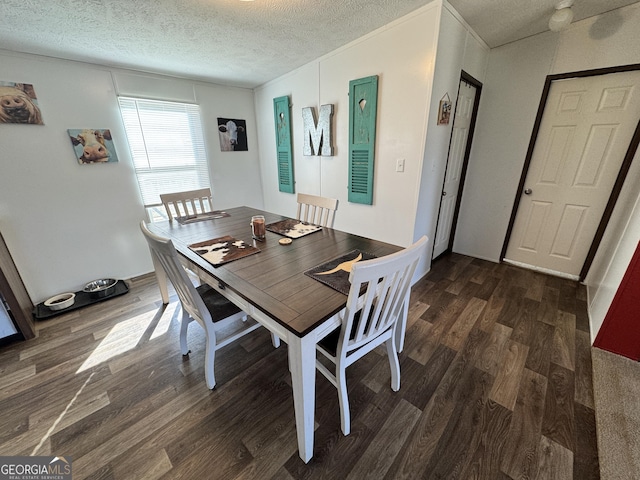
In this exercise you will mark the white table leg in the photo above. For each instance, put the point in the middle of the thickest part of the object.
(161, 277)
(302, 363)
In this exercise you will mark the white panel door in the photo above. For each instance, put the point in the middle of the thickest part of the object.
(585, 131)
(457, 149)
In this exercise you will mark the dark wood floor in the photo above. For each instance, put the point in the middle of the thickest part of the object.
(496, 384)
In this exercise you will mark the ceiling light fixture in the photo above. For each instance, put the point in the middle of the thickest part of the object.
(562, 17)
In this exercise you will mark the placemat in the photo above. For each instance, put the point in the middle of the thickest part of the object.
(292, 228)
(219, 251)
(335, 273)
(201, 217)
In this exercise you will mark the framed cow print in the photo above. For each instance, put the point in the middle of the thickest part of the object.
(92, 145)
(19, 104)
(233, 135)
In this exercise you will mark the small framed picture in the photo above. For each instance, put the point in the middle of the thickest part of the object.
(233, 135)
(444, 112)
(19, 104)
(93, 145)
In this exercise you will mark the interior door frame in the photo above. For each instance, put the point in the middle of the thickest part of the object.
(465, 162)
(622, 174)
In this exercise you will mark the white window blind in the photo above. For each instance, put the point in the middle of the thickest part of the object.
(167, 146)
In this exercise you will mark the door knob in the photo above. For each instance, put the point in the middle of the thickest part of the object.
(444, 194)
(528, 191)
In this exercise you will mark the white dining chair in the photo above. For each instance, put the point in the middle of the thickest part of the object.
(316, 210)
(214, 312)
(187, 203)
(370, 319)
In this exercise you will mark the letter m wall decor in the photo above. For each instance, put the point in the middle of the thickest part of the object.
(317, 136)
(363, 103)
(286, 181)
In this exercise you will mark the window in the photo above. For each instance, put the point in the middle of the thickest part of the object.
(167, 147)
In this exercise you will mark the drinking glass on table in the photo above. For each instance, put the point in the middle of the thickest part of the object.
(258, 229)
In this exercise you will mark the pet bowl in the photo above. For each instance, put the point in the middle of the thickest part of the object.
(61, 301)
(100, 288)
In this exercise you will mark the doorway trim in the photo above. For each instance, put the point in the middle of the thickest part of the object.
(465, 162)
(622, 174)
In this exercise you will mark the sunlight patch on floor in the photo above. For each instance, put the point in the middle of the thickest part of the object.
(60, 417)
(165, 321)
(120, 339)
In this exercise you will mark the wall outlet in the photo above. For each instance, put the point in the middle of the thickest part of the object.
(400, 165)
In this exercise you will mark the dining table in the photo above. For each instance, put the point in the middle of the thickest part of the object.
(271, 286)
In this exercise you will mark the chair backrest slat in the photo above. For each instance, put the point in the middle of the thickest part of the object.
(316, 210)
(388, 282)
(184, 204)
(164, 252)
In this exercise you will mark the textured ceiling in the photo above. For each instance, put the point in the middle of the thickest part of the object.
(499, 22)
(236, 42)
(224, 41)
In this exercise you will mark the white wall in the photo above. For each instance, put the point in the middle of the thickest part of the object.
(605, 282)
(66, 224)
(613, 39)
(511, 95)
(458, 49)
(235, 176)
(403, 55)
(301, 86)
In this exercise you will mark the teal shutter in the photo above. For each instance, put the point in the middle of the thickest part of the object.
(363, 103)
(283, 144)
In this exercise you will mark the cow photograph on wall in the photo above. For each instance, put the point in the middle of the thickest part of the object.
(233, 135)
(92, 145)
(19, 104)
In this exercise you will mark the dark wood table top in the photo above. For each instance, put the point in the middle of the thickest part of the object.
(274, 280)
